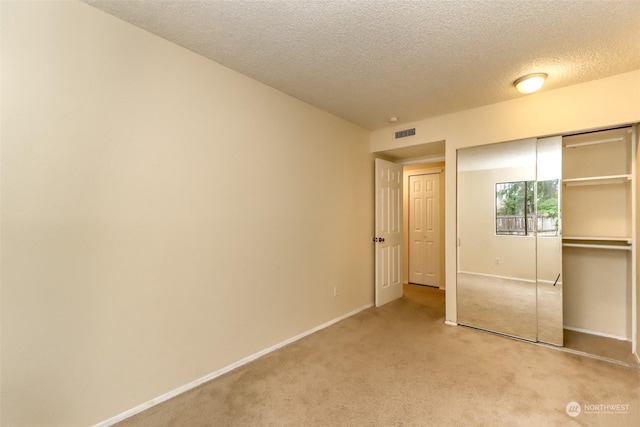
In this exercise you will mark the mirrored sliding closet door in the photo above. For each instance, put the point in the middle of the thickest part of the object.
(509, 240)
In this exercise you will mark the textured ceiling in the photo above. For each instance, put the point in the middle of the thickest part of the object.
(369, 60)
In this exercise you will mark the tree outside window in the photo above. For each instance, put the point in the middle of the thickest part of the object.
(526, 207)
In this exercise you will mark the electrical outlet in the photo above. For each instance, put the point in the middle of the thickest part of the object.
(497, 261)
(335, 291)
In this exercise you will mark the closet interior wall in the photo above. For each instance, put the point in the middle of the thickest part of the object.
(598, 210)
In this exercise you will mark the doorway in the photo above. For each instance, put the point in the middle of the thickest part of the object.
(424, 229)
(423, 224)
(419, 159)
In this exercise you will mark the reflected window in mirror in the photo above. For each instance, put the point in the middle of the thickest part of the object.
(527, 208)
(515, 208)
(547, 202)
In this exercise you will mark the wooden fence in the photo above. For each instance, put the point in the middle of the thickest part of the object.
(515, 225)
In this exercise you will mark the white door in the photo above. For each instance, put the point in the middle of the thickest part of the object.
(388, 238)
(424, 229)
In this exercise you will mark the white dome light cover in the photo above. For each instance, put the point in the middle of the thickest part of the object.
(530, 83)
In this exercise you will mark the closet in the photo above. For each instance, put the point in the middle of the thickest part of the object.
(598, 204)
(546, 237)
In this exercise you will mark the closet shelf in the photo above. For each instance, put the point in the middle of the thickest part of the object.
(619, 239)
(594, 142)
(594, 246)
(607, 238)
(597, 180)
(616, 243)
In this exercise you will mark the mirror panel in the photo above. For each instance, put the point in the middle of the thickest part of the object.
(510, 239)
(496, 280)
(549, 241)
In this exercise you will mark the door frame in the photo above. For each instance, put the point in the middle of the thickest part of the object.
(422, 169)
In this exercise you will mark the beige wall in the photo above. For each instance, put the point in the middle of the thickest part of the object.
(162, 216)
(480, 246)
(597, 104)
(597, 291)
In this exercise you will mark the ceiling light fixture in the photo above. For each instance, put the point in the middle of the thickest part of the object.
(530, 83)
(393, 119)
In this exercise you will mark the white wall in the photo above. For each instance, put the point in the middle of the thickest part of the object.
(598, 104)
(162, 216)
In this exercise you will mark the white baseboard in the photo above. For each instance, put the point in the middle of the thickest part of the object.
(209, 377)
(450, 323)
(600, 334)
(513, 279)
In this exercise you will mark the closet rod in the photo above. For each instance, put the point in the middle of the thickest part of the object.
(584, 245)
(599, 141)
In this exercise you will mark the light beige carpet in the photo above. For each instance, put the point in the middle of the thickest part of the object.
(400, 365)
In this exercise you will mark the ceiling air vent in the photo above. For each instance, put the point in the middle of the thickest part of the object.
(405, 133)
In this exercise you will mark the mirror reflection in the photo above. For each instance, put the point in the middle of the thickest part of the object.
(549, 241)
(496, 279)
(509, 274)
(515, 208)
(527, 208)
(547, 208)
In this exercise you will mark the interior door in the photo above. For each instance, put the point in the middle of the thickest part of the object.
(424, 236)
(388, 238)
